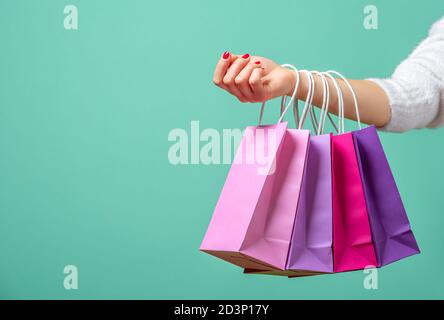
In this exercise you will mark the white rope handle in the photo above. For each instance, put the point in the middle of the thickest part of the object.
(308, 107)
(355, 99)
(295, 108)
(296, 112)
(309, 98)
(325, 105)
(295, 91)
(325, 102)
(314, 119)
(324, 111)
(340, 102)
(293, 96)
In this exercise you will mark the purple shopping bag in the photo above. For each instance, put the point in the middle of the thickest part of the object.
(312, 240)
(253, 220)
(392, 235)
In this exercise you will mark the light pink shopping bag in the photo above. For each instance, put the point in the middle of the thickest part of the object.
(253, 220)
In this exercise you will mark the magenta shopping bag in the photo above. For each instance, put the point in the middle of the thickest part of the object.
(352, 239)
(392, 235)
(253, 220)
(312, 240)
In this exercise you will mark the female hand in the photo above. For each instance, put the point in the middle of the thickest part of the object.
(253, 78)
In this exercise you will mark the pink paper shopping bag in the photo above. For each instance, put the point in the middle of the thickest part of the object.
(352, 239)
(253, 220)
(310, 251)
(353, 247)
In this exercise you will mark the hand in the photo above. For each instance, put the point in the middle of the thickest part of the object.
(253, 78)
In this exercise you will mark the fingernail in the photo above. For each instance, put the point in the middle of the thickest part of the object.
(246, 56)
(226, 55)
(257, 62)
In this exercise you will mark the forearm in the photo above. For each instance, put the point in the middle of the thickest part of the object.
(411, 98)
(373, 102)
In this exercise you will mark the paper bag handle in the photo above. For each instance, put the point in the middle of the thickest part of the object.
(355, 99)
(293, 96)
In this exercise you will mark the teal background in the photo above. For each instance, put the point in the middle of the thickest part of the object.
(84, 121)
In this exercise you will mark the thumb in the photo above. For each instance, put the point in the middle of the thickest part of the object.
(256, 83)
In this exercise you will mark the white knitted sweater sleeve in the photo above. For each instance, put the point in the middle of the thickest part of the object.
(416, 88)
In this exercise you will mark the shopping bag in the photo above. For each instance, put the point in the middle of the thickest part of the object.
(311, 244)
(310, 250)
(392, 235)
(312, 240)
(253, 220)
(352, 239)
(353, 247)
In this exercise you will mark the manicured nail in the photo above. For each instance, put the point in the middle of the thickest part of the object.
(257, 62)
(226, 55)
(246, 56)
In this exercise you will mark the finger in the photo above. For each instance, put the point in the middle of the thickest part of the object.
(221, 68)
(232, 73)
(256, 84)
(242, 80)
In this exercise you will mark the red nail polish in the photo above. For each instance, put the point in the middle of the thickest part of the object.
(246, 56)
(226, 55)
(257, 62)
